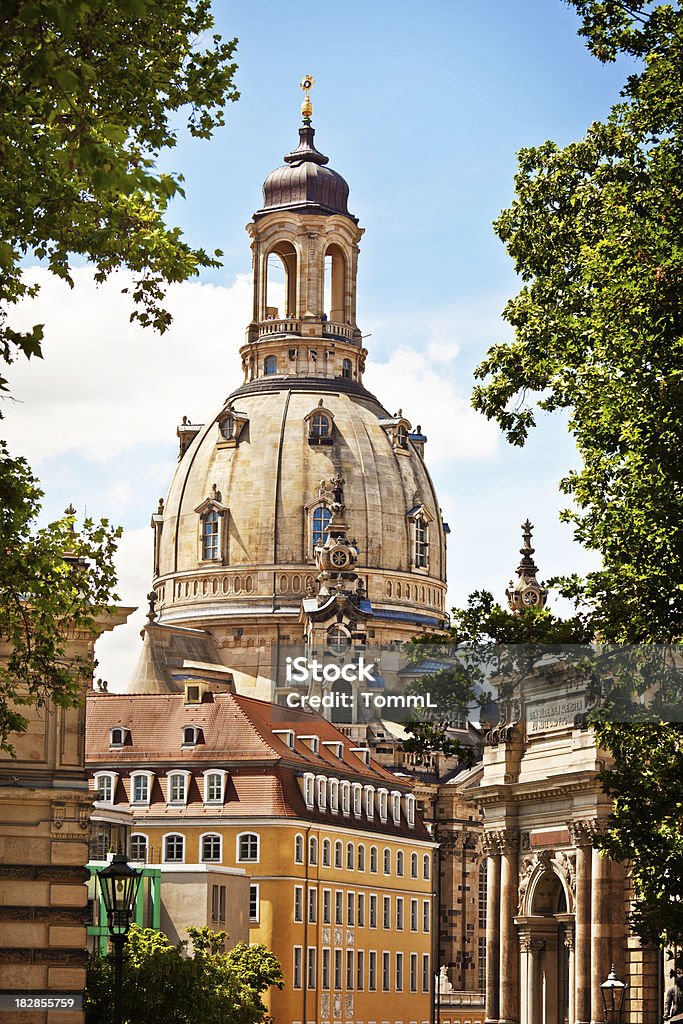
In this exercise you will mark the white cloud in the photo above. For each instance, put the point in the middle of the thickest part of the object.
(117, 652)
(106, 385)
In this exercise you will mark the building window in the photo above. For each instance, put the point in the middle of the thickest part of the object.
(482, 895)
(421, 542)
(325, 979)
(309, 790)
(338, 907)
(350, 859)
(338, 980)
(298, 904)
(360, 970)
(386, 912)
(361, 857)
(174, 849)
(373, 859)
(350, 908)
(320, 522)
(296, 967)
(386, 972)
(211, 848)
(399, 913)
(312, 850)
(396, 808)
(481, 964)
(413, 865)
(327, 853)
(140, 787)
(373, 910)
(338, 854)
(270, 365)
(210, 536)
(254, 902)
(347, 369)
(425, 866)
(369, 801)
(311, 968)
(213, 788)
(382, 799)
(106, 784)
(357, 798)
(425, 972)
(138, 847)
(399, 972)
(413, 916)
(117, 737)
(312, 906)
(349, 970)
(218, 903)
(190, 735)
(425, 916)
(321, 786)
(413, 972)
(372, 971)
(360, 917)
(327, 906)
(320, 425)
(248, 847)
(334, 795)
(410, 811)
(177, 788)
(298, 849)
(386, 861)
(399, 863)
(346, 797)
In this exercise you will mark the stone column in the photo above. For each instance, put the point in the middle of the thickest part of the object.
(533, 949)
(509, 945)
(582, 837)
(571, 1010)
(601, 931)
(492, 926)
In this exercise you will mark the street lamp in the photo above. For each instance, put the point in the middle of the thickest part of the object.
(119, 884)
(613, 993)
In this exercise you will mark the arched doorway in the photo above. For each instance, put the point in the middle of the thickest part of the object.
(546, 946)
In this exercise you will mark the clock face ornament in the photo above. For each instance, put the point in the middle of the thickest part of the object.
(530, 597)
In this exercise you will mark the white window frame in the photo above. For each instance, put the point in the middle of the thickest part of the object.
(247, 860)
(177, 773)
(195, 735)
(396, 806)
(211, 860)
(414, 864)
(326, 855)
(149, 776)
(297, 966)
(345, 797)
(357, 799)
(410, 810)
(386, 861)
(215, 801)
(139, 835)
(313, 850)
(350, 857)
(112, 779)
(338, 853)
(299, 848)
(308, 789)
(173, 860)
(298, 905)
(321, 791)
(414, 915)
(334, 795)
(374, 860)
(369, 801)
(382, 803)
(426, 867)
(360, 857)
(426, 916)
(116, 745)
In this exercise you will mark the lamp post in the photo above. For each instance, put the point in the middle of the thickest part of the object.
(119, 884)
(613, 994)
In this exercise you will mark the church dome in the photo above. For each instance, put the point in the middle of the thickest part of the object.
(304, 183)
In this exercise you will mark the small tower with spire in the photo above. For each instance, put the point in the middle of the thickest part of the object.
(526, 592)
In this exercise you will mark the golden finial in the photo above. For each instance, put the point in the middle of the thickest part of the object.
(307, 83)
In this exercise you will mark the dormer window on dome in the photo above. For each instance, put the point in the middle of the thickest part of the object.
(320, 423)
(420, 518)
(231, 426)
(398, 430)
(212, 528)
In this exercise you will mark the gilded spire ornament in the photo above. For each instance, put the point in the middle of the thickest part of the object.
(307, 83)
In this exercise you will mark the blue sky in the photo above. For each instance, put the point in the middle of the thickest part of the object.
(422, 110)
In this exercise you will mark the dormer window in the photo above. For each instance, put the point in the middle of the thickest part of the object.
(105, 783)
(334, 795)
(346, 797)
(410, 810)
(402, 436)
(230, 426)
(321, 792)
(420, 519)
(118, 737)
(396, 807)
(214, 786)
(191, 735)
(141, 787)
(398, 430)
(382, 801)
(320, 423)
(286, 735)
(369, 801)
(309, 789)
(357, 798)
(177, 787)
(347, 369)
(311, 742)
(212, 528)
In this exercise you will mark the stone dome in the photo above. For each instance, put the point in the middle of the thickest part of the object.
(264, 484)
(304, 183)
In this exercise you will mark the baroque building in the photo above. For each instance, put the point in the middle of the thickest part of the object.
(301, 511)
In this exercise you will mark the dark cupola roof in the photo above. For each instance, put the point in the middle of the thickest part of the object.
(304, 183)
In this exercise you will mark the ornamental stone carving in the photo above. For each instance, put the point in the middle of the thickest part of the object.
(544, 862)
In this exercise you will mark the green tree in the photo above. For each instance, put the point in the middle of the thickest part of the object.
(161, 984)
(91, 94)
(52, 581)
(596, 233)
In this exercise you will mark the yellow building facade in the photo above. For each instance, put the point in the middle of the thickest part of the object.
(340, 863)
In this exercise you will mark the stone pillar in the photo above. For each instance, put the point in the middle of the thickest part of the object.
(571, 1009)
(600, 931)
(509, 945)
(492, 926)
(582, 837)
(533, 949)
